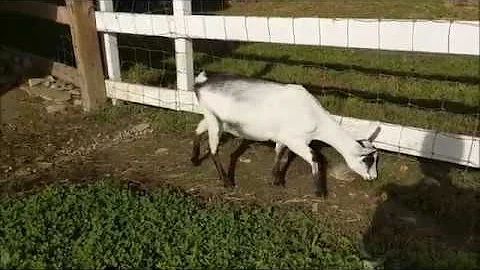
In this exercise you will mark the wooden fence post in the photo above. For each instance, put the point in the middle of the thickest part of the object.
(87, 53)
(183, 48)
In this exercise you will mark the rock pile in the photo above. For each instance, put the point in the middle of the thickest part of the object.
(16, 67)
(57, 94)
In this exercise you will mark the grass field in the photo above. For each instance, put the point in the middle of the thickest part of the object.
(403, 9)
(429, 91)
(103, 225)
(433, 91)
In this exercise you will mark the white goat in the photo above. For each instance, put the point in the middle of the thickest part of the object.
(287, 114)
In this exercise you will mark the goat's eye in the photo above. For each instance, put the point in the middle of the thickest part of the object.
(368, 160)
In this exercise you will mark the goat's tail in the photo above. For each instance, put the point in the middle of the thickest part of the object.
(199, 80)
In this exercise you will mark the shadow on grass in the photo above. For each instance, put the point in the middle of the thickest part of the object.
(367, 70)
(159, 53)
(433, 224)
(445, 105)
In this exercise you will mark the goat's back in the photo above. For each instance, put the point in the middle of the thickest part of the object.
(260, 106)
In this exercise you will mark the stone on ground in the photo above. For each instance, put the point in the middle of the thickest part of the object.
(342, 172)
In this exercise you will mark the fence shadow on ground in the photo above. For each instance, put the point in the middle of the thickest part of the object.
(434, 214)
(362, 69)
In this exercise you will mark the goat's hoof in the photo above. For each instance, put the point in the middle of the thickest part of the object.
(278, 183)
(195, 161)
(229, 184)
(322, 194)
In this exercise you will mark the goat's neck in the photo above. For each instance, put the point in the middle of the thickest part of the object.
(341, 140)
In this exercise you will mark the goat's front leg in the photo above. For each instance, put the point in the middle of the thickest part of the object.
(244, 143)
(316, 160)
(319, 173)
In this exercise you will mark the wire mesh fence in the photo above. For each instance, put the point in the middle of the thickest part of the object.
(38, 36)
(429, 91)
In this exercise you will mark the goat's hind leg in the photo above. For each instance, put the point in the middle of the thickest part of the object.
(279, 172)
(243, 146)
(214, 133)
(202, 127)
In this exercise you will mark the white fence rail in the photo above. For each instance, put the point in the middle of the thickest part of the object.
(452, 37)
(460, 149)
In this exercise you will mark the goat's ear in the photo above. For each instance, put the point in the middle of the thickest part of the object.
(366, 152)
(374, 133)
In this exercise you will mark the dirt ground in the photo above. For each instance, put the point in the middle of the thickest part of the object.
(39, 148)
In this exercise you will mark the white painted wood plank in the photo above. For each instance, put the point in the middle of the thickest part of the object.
(180, 26)
(151, 92)
(107, 22)
(215, 27)
(151, 96)
(389, 137)
(465, 38)
(396, 35)
(143, 24)
(196, 26)
(236, 28)
(127, 23)
(333, 32)
(110, 43)
(281, 30)
(474, 153)
(363, 33)
(460, 149)
(112, 56)
(100, 20)
(163, 25)
(307, 31)
(416, 142)
(431, 36)
(151, 101)
(135, 93)
(450, 147)
(462, 37)
(182, 7)
(187, 101)
(183, 46)
(257, 29)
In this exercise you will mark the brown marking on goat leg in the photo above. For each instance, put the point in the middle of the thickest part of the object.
(282, 173)
(244, 143)
(320, 178)
(276, 169)
(221, 172)
(196, 151)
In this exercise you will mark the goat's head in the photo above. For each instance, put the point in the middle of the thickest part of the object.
(365, 161)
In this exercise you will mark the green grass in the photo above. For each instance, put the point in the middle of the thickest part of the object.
(405, 9)
(438, 92)
(161, 120)
(104, 225)
(433, 91)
